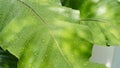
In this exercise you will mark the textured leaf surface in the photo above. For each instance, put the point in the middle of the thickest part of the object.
(102, 17)
(43, 34)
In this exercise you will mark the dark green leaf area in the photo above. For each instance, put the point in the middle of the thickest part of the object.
(7, 60)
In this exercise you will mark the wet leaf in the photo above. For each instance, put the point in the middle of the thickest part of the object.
(44, 34)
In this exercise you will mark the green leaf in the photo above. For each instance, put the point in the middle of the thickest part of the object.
(102, 18)
(107, 26)
(43, 34)
(7, 60)
(7, 12)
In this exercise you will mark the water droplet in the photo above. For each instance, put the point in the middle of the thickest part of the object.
(23, 48)
(36, 53)
(22, 63)
(43, 40)
(85, 64)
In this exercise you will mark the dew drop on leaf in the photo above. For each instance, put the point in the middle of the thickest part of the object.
(35, 53)
(85, 64)
(43, 40)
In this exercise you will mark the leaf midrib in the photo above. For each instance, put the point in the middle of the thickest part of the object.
(46, 25)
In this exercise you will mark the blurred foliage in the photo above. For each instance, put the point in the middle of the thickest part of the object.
(101, 16)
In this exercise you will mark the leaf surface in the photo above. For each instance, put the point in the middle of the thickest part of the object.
(102, 18)
(44, 34)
